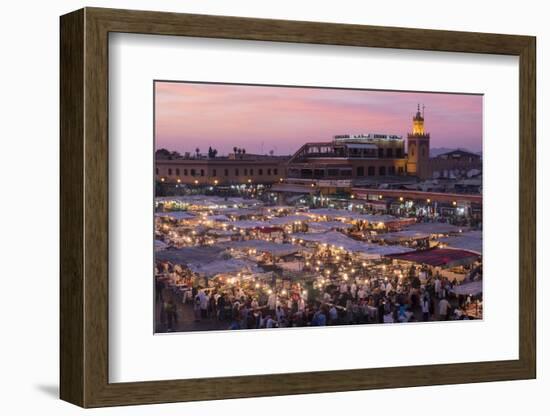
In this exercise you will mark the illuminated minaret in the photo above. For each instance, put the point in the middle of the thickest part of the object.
(418, 147)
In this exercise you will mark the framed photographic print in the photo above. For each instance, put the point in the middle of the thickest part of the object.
(256, 207)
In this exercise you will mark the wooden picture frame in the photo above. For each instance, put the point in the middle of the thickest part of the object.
(84, 207)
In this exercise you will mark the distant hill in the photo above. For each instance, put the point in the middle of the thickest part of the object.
(440, 150)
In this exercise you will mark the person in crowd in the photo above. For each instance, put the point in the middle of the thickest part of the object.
(425, 304)
(444, 309)
(333, 315)
(197, 307)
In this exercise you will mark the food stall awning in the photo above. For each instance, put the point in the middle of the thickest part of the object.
(275, 249)
(323, 226)
(405, 235)
(160, 245)
(470, 240)
(435, 228)
(438, 257)
(176, 215)
(470, 288)
(289, 219)
(339, 240)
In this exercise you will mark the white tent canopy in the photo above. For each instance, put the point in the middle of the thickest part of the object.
(289, 219)
(435, 228)
(339, 240)
(404, 235)
(224, 266)
(160, 245)
(470, 288)
(176, 215)
(323, 226)
(470, 240)
(276, 249)
(248, 224)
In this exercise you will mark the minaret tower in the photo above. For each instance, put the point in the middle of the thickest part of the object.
(418, 147)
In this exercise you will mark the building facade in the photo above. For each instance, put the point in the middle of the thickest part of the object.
(229, 170)
(346, 159)
(454, 163)
(349, 157)
(355, 157)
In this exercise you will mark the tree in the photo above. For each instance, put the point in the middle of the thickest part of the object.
(163, 154)
(212, 153)
(235, 149)
(197, 151)
(271, 152)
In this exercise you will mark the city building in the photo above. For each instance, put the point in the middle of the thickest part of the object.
(235, 169)
(454, 163)
(345, 161)
(354, 158)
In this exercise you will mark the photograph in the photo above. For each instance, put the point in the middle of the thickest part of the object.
(299, 207)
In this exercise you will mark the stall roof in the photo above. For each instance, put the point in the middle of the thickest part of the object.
(202, 254)
(351, 215)
(218, 217)
(248, 224)
(160, 245)
(276, 249)
(289, 219)
(470, 240)
(225, 266)
(435, 228)
(470, 288)
(335, 238)
(404, 235)
(176, 215)
(443, 257)
(322, 226)
(208, 200)
(207, 260)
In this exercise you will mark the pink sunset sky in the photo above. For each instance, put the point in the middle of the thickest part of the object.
(264, 118)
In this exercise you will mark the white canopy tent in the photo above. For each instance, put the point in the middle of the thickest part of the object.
(176, 215)
(471, 288)
(435, 228)
(364, 249)
(275, 249)
(470, 240)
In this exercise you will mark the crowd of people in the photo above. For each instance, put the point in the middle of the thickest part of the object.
(381, 293)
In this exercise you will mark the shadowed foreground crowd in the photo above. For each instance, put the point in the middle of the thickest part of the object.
(339, 302)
